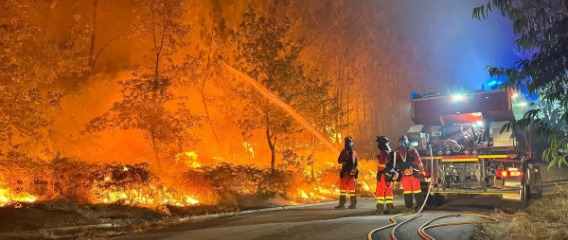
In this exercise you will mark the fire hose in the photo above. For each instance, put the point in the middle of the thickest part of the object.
(422, 229)
(395, 225)
(425, 236)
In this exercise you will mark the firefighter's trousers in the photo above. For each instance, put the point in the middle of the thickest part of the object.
(384, 191)
(347, 189)
(411, 186)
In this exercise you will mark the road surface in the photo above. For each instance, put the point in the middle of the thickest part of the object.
(324, 222)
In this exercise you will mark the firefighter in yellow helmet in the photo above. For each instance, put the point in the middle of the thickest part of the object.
(348, 173)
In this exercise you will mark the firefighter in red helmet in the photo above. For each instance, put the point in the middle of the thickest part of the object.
(411, 168)
(348, 173)
(385, 177)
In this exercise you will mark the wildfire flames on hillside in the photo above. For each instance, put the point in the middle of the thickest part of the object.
(104, 104)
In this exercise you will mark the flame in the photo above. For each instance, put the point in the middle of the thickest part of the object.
(144, 196)
(7, 197)
(191, 155)
(248, 147)
(316, 193)
(323, 185)
(191, 201)
(303, 194)
(366, 186)
(188, 158)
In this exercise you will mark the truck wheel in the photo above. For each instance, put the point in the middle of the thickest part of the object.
(525, 195)
(525, 187)
(435, 200)
(525, 184)
(438, 199)
(537, 185)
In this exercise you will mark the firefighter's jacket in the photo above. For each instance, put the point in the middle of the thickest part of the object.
(386, 167)
(410, 162)
(349, 162)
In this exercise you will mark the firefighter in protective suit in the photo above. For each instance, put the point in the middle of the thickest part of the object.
(385, 177)
(411, 168)
(348, 173)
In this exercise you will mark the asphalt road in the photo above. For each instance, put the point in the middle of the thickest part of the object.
(324, 222)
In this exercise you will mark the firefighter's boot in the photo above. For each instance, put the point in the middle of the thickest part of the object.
(408, 200)
(419, 197)
(390, 208)
(379, 210)
(353, 200)
(342, 200)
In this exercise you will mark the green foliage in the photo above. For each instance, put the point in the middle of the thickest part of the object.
(541, 27)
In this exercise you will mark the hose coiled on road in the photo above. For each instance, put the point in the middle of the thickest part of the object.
(422, 230)
(393, 220)
(425, 236)
(395, 224)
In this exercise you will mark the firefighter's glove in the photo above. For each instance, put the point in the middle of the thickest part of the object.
(394, 175)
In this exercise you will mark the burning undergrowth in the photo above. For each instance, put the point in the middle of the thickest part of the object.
(25, 179)
(110, 192)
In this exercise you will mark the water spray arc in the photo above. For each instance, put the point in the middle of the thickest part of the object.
(270, 96)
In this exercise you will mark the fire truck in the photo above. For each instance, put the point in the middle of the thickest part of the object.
(466, 150)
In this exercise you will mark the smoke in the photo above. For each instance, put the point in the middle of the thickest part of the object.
(457, 47)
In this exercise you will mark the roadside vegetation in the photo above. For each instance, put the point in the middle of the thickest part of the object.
(542, 36)
(545, 218)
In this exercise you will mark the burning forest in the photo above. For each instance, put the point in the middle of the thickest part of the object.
(169, 104)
